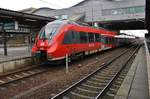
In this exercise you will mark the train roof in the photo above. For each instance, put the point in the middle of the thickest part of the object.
(85, 25)
(69, 22)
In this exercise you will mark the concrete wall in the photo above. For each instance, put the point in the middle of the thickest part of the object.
(14, 64)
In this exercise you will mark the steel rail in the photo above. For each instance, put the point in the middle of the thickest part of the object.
(23, 77)
(116, 75)
(64, 92)
(20, 70)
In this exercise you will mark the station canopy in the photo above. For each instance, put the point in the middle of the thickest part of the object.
(14, 21)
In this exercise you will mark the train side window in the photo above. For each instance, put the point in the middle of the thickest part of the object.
(113, 40)
(91, 37)
(107, 40)
(73, 36)
(76, 38)
(97, 37)
(68, 38)
(110, 40)
(100, 37)
(103, 39)
(83, 37)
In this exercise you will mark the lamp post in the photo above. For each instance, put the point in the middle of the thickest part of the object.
(4, 40)
(92, 16)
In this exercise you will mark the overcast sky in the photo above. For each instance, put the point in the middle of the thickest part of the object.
(23, 4)
(139, 33)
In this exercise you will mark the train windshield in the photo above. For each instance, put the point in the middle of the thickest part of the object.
(49, 31)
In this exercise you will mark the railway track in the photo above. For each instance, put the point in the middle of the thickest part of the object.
(96, 84)
(22, 74)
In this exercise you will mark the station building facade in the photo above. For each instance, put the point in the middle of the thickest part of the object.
(99, 10)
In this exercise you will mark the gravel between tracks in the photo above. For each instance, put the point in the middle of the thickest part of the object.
(55, 80)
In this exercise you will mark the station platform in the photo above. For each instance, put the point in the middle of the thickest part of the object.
(18, 57)
(137, 82)
(15, 53)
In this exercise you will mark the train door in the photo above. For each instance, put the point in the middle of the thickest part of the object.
(103, 42)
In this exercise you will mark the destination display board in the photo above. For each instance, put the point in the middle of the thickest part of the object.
(14, 26)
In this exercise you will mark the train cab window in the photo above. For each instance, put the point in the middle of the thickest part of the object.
(91, 37)
(48, 31)
(83, 37)
(97, 38)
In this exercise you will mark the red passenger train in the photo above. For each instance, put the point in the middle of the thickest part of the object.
(60, 38)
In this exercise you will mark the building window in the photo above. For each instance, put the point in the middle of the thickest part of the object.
(121, 11)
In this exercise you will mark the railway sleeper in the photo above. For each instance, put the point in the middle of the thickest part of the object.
(118, 82)
(96, 83)
(110, 93)
(18, 76)
(113, 89)
(102, 77)
(116, 85)
(82, 88)
(1, 81)
(99, 80)
(9, 78)
(31, 72)
(26, 74)
(94, 88)
(85, 92)
(75, 95)
(108, 72)
(120, 78)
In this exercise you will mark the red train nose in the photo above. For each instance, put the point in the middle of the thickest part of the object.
(42, 45)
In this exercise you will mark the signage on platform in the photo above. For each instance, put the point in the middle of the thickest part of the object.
(12, 25)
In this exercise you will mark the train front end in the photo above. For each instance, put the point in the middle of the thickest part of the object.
(44, 42)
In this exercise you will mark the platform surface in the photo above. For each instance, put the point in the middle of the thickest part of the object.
(135, 85)
(14, 53)
(139, 87)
